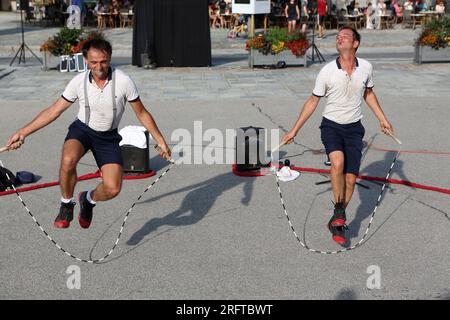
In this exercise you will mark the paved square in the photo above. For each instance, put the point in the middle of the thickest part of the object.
(204, 233)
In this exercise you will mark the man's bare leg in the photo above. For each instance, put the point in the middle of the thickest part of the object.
(109, 188)
(336, 225)
(72, 152)
(350, 181)
(337, 176)
(111, 185)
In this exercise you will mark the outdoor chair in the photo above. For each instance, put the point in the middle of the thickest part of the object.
(388, 20)
(407, 19)
(418, 19)
(330, 21)
(342, 20)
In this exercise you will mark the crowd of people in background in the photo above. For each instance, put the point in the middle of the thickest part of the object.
(55, 11)
(293, 14)
(374, 12)
(114, 9)
(218, 9)
(318, 12)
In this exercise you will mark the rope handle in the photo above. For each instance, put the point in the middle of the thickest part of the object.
(158, 148)
(6, 148)
(394, 137)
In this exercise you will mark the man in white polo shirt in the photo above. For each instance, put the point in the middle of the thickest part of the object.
(346, 82)
(102, 93)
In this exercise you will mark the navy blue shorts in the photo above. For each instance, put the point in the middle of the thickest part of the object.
(347, 138)
(104, 145)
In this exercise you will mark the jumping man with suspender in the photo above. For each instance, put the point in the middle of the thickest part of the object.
(102, 93)
(346, 83)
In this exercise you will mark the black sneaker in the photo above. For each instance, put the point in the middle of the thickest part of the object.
(86, 207)
(65, 215)
(337, 225)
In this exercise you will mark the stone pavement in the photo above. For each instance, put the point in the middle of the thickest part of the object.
(203, 233)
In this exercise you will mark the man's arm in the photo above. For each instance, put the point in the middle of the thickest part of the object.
(308, 109)
(44, 118)
(374, 105)
(149, 123)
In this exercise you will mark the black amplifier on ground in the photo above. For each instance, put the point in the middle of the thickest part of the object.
(136, 160)
(250, 149)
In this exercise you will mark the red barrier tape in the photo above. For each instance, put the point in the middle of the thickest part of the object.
(372, 146)
(80, 178)
(265, 171)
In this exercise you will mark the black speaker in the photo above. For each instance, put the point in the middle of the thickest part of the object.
(250, 149)
(136, 160)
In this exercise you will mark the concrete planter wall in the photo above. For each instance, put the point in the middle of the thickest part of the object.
(256, 58)
(50, 61)
(428, 54)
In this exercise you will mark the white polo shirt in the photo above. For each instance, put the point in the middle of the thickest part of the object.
(344, 94)
(100, 100)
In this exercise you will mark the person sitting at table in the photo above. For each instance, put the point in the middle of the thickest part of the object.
(99, 8)
(370, 16)
(228, 8)
(351, 7)
(408, 5)
(421, 5)
(440, 7)
(127, 5)
(114, 10)
(214, 15)
(397, 9)
(222, 8)
(381, 11)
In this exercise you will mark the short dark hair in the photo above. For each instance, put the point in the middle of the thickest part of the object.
(99, 44)
(356, 34)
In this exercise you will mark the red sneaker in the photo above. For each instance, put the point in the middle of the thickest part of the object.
(337, 225)
(338, 233)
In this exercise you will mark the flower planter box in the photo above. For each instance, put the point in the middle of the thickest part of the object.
(428, 54)
(50, 61)
(256, 58)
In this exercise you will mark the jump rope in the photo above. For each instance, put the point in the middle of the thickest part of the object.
(171, 164)
(303, 243)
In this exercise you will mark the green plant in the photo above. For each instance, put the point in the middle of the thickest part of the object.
(68, 41)
(278, 39)
(435, 34)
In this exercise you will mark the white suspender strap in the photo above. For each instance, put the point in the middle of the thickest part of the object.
(113, 90)
(87, 108)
